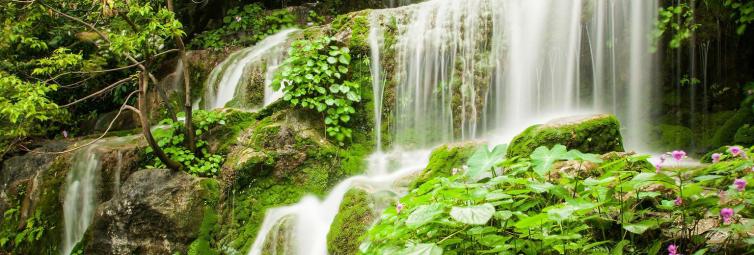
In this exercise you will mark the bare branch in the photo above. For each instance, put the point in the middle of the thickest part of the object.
(127, 79)
(110, 126)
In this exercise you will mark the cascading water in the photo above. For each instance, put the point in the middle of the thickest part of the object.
(241, 67)
(81, 187)
(467, 69)
(79, 204)
(472, 69)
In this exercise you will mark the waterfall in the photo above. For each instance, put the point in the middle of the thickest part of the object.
(81, 199)
(80, 192)
(255, 65)
(312, 217)
(471, 69)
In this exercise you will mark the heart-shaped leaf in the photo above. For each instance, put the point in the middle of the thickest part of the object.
(543, 158)
(473, 215)
(422, 249)
(423, 215)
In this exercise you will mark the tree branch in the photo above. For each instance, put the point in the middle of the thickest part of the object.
(100, 91)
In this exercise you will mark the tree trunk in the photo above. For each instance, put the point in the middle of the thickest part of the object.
(145, 126)
(190, 141)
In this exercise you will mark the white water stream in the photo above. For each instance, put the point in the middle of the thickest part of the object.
(80, 199)
(487, 69)
(266, 56)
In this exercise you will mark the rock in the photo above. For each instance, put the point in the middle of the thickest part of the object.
(158, 212)
(589, 134)
(444, 159)
(126, 121)
(352, 222)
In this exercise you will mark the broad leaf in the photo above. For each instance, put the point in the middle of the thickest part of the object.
(543, 158)
(483, 160)
(422, 249)
(423, 215)
(473, 215)
(641, 227)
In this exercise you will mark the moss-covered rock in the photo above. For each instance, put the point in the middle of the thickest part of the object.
(673, 137)
(726, 133)
(278, 159)
(353, 220)
(591, 134)
(443, 159)
(744, 135)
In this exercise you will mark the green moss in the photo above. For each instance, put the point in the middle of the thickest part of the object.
(744, 135)
(351, 223)
(598, 134)
(443, 160)
(726, 133)
(201, 246)
(673, 137)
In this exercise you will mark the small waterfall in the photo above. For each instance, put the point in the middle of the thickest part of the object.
(312, 217)
(81, 199)
(80, 196)
(255, 65)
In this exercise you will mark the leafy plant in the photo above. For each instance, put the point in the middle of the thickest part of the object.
(171, 138)
(744, 13)
(623, 205)
(316, 76)
(678, 20)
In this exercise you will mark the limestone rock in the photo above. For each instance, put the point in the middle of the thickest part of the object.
(353, 220)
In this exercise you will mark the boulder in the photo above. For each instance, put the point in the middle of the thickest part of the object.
(158, 211)
(444, 159)
(352, 222)
(589, 134)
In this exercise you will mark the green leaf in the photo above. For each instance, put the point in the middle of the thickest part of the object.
(332, 60)
(641, 227)
(473, 215)
(543, 158)
(422, 249)
(423, 215)
(483, 160)
(532, 221)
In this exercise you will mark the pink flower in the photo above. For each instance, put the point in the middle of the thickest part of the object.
(716, 157)
(740, 184)
(399, 207)
(658, 167)
(678, 201)
(735, 150)
(238, 18)
(678, 155)
(65, 134)
(726, 214)
(455, 171)
(673, 249)
(663, 157)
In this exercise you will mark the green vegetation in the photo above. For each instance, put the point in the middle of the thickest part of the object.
(354, 218)
(744, 13)
(601, 206)
(173, 142)
(316, 76)
(253, 22)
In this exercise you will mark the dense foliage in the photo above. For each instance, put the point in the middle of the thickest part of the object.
(587, 204)
(316, 76)
(169, 136)
(245, 26)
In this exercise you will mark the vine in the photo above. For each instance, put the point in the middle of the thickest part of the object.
(316, 76)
